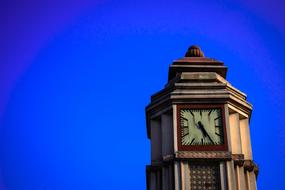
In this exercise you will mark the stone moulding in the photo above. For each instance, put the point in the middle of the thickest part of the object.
(204, 155)
(178, 91)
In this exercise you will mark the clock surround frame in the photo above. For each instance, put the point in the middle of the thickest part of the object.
(222, 147)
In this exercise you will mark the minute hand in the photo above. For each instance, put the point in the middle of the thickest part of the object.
(201, 126)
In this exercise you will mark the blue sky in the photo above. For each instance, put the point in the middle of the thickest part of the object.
(77, 75)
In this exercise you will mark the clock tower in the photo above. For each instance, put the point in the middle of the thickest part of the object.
(198, 125)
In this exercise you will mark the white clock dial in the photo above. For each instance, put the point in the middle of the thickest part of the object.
(201, 126)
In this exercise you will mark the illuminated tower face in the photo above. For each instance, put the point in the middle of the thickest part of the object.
(199, 130)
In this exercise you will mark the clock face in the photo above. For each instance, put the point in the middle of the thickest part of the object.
(199, 126)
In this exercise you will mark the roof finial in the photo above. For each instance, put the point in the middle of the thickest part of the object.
(194, 51)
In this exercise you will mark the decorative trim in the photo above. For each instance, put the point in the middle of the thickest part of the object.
(238, 159)
(204, 155)
(238, 156)
(249, 165)
(239, 163)
(168, 158)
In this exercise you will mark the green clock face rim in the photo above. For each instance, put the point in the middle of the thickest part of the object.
(201, 127)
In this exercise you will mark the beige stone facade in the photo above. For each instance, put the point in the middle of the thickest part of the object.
(201, 81)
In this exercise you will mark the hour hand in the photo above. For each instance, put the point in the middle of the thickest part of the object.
(200, 126)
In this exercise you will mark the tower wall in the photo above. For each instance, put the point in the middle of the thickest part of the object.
(199, 81)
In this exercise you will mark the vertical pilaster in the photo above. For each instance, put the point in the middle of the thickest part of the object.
(231, 176)
(228, 127)
(155, 140)
(171, 177)
(245, 139)
(223, 176)
(241, 179)
(177, 175)
(167, 134)
(165, 178)
(158, 180)
(153, 181)
(185, 175)
(174, 115)
(251, 181)
(235, 133)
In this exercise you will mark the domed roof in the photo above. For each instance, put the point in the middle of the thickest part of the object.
(194, 51)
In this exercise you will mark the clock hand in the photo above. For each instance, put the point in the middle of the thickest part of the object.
(210, 138)
(201, 126)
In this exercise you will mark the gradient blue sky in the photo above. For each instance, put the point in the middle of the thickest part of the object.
(76, 76)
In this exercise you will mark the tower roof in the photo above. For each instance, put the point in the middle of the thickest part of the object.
(195, 61)
(196, 79)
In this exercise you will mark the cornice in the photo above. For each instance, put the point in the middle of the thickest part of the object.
(200, 88)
